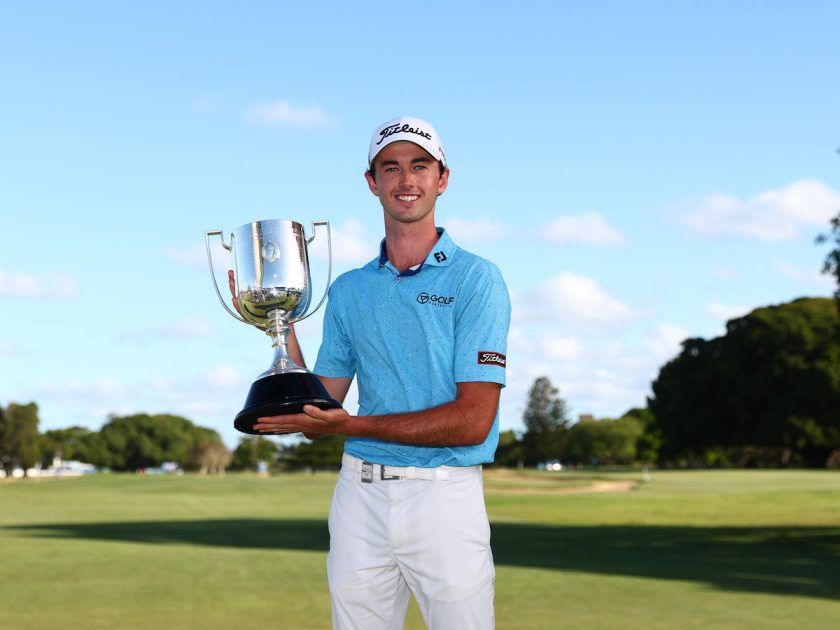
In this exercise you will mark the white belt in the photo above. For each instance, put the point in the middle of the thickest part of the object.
(370, 472)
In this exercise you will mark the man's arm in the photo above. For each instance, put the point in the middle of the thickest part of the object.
(464, 421)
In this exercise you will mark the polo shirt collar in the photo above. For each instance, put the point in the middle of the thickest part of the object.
(440, 256)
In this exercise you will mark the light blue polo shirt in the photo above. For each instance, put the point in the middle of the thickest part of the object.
(410, 337)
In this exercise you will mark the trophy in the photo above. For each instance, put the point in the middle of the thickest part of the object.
(272, 290)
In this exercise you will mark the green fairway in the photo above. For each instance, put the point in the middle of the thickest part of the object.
(722, 549)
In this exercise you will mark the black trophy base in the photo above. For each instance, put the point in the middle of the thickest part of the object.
(280, 395)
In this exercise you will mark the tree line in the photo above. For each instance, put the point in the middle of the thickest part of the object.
(141, 442)
(766, 393)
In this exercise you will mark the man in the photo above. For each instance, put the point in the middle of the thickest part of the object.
(424, 329)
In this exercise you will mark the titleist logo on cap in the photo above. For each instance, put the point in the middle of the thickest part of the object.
(406, 128)
(492, 358)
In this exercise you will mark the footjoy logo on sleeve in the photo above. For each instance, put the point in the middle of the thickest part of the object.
(492, 358)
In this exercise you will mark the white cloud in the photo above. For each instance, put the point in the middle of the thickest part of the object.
(190, 327)
(18, 284)
(771, 215)
(807, 276)
(210, 398)
(76, 390)
(570, 298)
(351, 243)
(589, 228)
(546, 346)
(284, 113)
(666, 341)
(728, 311)
(477, 230)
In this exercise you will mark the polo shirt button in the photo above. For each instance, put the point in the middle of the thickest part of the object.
(398, 279)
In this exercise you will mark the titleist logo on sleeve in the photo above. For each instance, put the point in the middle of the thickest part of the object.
(406, 128)
(492, 358)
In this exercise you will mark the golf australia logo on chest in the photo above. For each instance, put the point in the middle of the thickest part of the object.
(433, 299)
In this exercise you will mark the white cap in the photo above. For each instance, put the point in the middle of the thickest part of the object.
(409, 129)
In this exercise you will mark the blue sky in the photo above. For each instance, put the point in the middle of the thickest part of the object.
(640, 171)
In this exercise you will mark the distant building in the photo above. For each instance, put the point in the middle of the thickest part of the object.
(59, 468)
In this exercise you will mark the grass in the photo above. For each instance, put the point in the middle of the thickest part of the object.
(723, 549)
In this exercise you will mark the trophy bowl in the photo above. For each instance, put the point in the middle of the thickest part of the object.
(271, 290)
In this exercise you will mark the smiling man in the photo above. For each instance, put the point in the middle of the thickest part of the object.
(423, 327)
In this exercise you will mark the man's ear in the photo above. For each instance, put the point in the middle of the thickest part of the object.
(371, 182)
(443, 182)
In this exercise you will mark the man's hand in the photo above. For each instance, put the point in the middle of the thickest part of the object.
(232, 285)
(313, 422)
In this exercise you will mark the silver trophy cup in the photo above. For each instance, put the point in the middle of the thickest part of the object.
(272, 290)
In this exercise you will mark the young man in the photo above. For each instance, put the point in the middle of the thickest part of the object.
(424, 329)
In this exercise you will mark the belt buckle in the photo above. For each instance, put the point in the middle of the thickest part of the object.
(367, 472)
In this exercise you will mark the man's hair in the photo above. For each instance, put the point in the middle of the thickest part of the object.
(372, 169)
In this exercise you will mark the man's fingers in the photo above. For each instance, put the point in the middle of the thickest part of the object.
(232, 285)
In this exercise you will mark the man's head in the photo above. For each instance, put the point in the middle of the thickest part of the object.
(402, 171)
(406, 129)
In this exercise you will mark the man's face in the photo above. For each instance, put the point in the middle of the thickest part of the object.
(408, 181)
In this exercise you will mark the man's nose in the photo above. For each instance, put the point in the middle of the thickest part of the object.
(407, 177)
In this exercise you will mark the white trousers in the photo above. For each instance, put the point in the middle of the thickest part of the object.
(391, 538)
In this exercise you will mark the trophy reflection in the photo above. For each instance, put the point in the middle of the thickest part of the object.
(272, 289)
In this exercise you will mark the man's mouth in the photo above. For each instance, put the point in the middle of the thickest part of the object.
(408, 198)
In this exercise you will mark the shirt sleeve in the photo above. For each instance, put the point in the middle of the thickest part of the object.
(336, 358)
(481, 327)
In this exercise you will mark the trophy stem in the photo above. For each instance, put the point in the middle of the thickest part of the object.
(279, 332)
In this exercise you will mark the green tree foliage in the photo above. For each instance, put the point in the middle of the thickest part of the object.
(831, 264)
(251, 450)
(610, 442)
(510, 451)
(546, 419)
(19, 436)
(76, 443)
(649, 442)
(321, 454)
(770, 385)
(144, 441)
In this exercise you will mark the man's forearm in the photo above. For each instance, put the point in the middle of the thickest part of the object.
(451, 424)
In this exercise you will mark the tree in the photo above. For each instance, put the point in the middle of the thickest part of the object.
(649, 442)
(607, 441)
(252, 450)
(209, 457)
(19, 436)
(510, 452)
(144, 441)
(323, 453)
(831, 264)
(70, 443)
(770, 386)
(546, 419)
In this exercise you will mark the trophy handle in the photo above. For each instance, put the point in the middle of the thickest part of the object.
(329, 266)
(207, 236)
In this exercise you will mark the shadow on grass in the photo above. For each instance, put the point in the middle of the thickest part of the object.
(779, 560)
